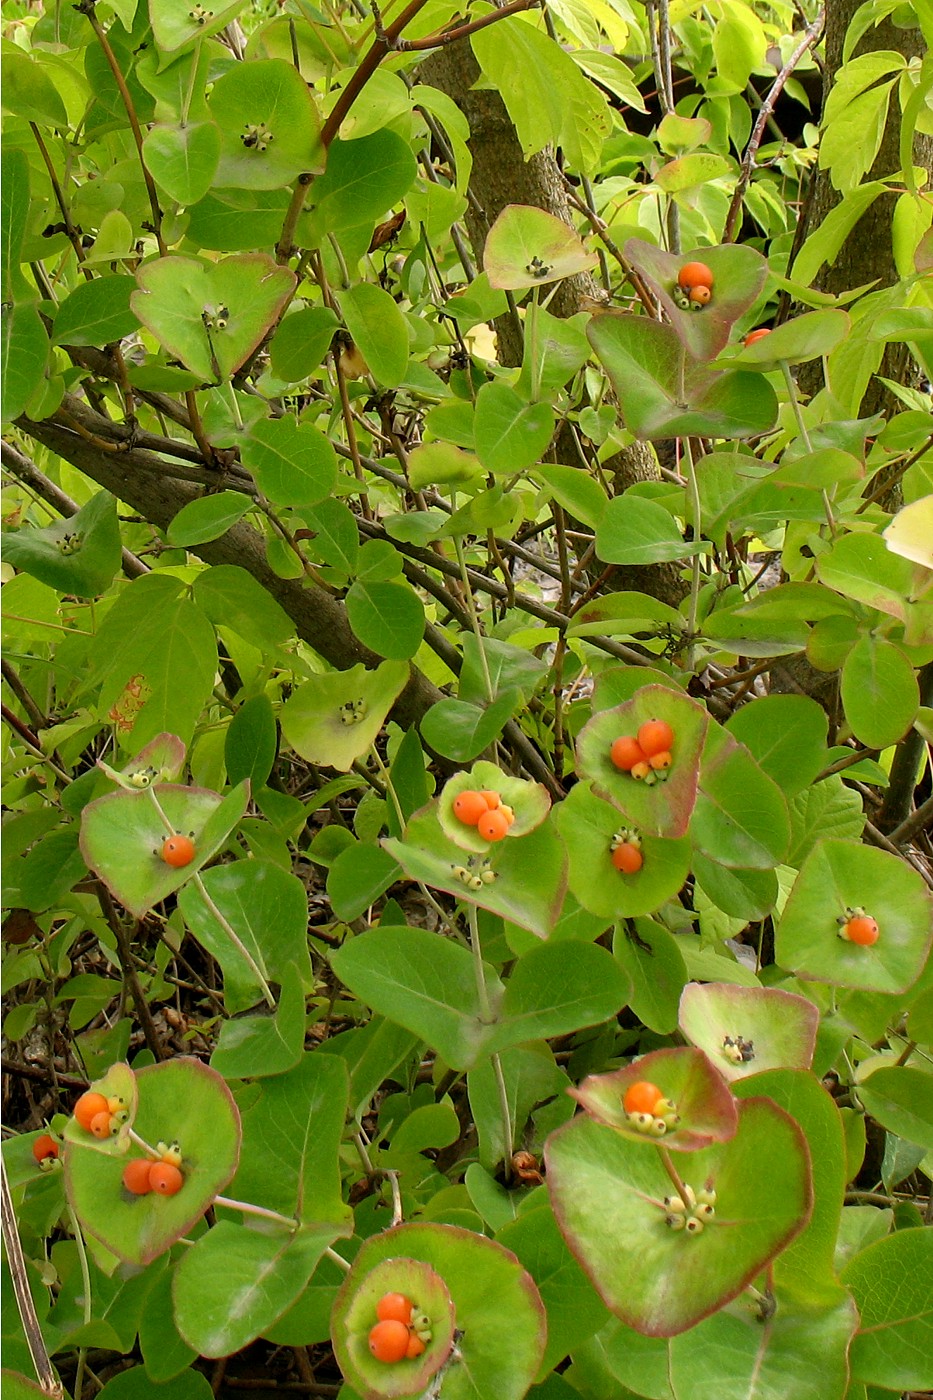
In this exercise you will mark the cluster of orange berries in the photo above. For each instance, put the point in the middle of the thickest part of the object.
(648, 1111)
(694, 286)
(858, 927)
(100, 1115)
(178, 851)
(401, 1332)
(646, 757)
(625, 852)
(486, 811)
(162, 1176)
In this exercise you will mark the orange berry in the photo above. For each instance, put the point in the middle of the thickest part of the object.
(641, 770)
(88, 1106)
(694, 274)
(492, 826)
(165, 1179)
(469, 806)
(627, 858)
(756, 335)
(507, 813)
(178, 851)
(388, 1341)
(102, 1123)
(660, 761)
(44, 1147)
(415, 1347)
(701, 295)
(492, 799)
(861, 929)
(136, 1176)
(395, 1307)
(655, 736)
(626, 752)
(641, 1097)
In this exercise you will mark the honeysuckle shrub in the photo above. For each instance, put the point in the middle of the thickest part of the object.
(302, 584)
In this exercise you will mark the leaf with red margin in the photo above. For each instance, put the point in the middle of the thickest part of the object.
(354, 1316)
(686, 1078)
(779, 1026)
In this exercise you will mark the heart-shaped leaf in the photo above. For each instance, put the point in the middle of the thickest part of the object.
(741, 818)
(664, 392)
(354, 1316)
(528, 247)
(293, 463)
(529, 803)
(334, 718)
(745, 1030)
(738, 272)
(610, 1198)
(161, 761)
(180, 1101)
(486, 1285)
(176, 23)
(182, 157)
(269, 125)
(663, 809)
(687, 1080)
(212, 316)
(122, 835)
(510, 433)
(77, 554)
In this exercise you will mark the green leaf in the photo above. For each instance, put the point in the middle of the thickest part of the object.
(463, 731)
(608, 1196)
(96, 313)
(786, 736)
(527, 247)
(25, 350)
(268, 123)
(386, 617)
(776, 1029)
(207, 518)
(363, 179)
(14, 219)
(686, 1078)
(180, 1101)
(267, 908)
(122, 836)
(251, 742)
(556, 988)
(336, 539)
(182, 158)
(175, 25)
(232, 598)
(636, 530)
(890, 1284)
(841, 875)
(860, 566)
(652, 958)
(664, 393)
(880, 693)
(137, 1384)
(77, 554)
(486, 1284)
(293, 463)
(335, 717)
(900, 1098)
(357, 878)
(510, 433)
(250, 1047)
(807, 337)
(212, 316)
(301, 342)
(741, 818)
(30, 92)
(379, 329)
(579, 494)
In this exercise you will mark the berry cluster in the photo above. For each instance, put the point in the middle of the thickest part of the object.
(649, 1112)
(625, 852)
(486, 811)
(646, 757)
(99, 1115)
(855, 926)
(694, 288)
(401, 1332)
(691, 1211)
(163, 1176)
(178, 851)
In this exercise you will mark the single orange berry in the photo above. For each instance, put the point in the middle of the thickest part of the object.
(178, 851)
(395, 1307)
(660, 761)
(507, 813)
(627, 858)
(165, 1179)
(756, 335)
(415, 1347)
(469, 806)
(626, 752)
(700, 296)
(641, 770)
(641, 1097)
(102, 1124)
(136, 1176)
(388, 1341)
(88, 1106)
(694, 274)
(492, 799)
(492, 826)
(45, 1148)
(655, 736)
(861, 929)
